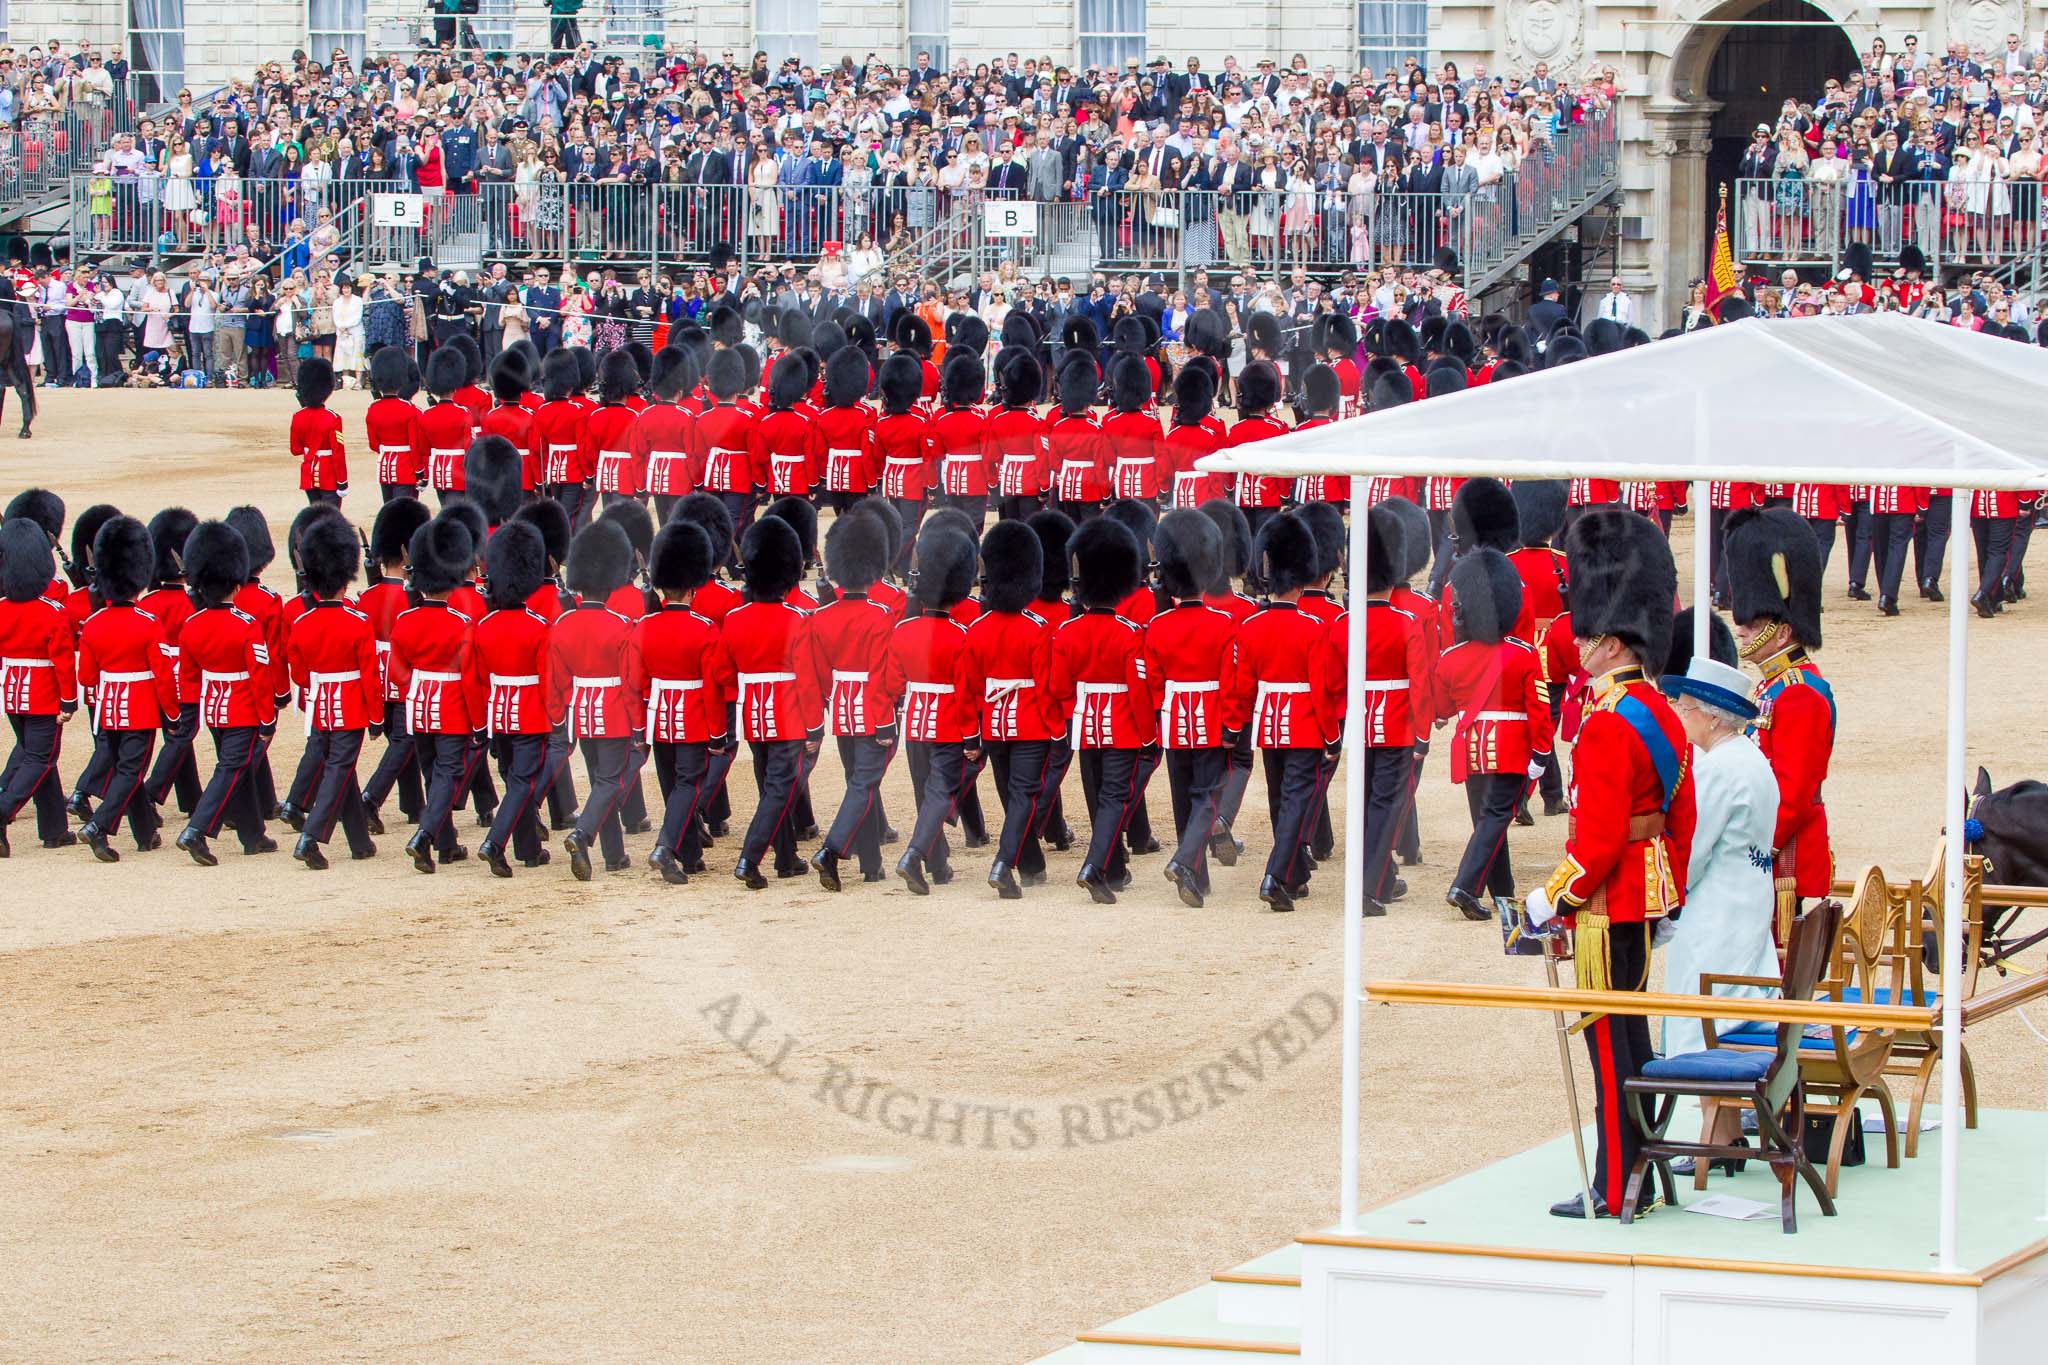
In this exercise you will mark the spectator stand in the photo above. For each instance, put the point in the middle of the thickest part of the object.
(44, 156)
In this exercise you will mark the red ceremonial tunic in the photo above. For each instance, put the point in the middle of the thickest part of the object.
(723, 434)
(923, 667)
(961, 435)
(1273, 681)
(1259, 490)
(849, 639)
(268, 609)
(316, 443)
(1097, 684)
(1825, 502)
(1017, 453)
(382, 602)
(121, 661)
(1075, 456)
(1183, 446)
(476, 401)
(1135, 450)
(430, 649)
(666, 669)
(1321, 487)
(514, 422)
(906, 453)
(224, 665)
(1397, 674)
(846, 436)
(508, 659)
(391, 426)
(762, 662)
(1727, 497)
(608, 450)
(1795, 728)
(1187, 651)
(1503, 720)
(1005, 673)
(785, 451)
(556, 443)
(333, 664)
(445, 431)
(172, 607)
(666, 449)
(38, 664)
(586, 677)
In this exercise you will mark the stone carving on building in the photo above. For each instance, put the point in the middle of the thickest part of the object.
(1552, 31)
(1983, 24)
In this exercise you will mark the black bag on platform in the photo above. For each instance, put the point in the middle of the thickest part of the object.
(1820, 1132)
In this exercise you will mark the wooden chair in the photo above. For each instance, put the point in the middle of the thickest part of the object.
(1846, 1065)
(1767, 1083)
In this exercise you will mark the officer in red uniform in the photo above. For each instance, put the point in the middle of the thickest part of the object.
(725, 431)
(960, 429)
(784, 448)
(445, 425)
(1321, 398)
(1099, 690)
(470, 393)
(224, 665)
(1774, 574)
(1075, 459)
(442, 697)
(1017, 449)
(586, 681)
(761, 662)
(1188, 649)
(1193, 431)
(383, 600)
(686, 715)
(170, 603)
(1004, 676)
(510, 418)
(80, 602)
(38, 681)
(904, 448)
(662, 438)
(333, 662)
(1258, 394)
(315, 437)
(1336, 340)
(391, 424)
(1054, 529)
(268, 608)
(849, 640)
(1133, 445)
(1222, 593)
(121, 663)
(558, 440)
(1546, 588)
(508, 663)
(846, 428)
(1632, 811)
(922, 669)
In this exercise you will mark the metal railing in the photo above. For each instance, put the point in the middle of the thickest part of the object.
(1956, 224)
(611, 26)
(41, 151)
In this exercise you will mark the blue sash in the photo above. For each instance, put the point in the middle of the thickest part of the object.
(1662, 756)
(1777, 685)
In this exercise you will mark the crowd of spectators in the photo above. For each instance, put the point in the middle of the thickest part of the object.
(47, 82)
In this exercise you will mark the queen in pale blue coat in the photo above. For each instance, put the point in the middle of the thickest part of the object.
(1730, 899)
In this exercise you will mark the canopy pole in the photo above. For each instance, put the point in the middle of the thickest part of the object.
(1702, 560)
(1952, 875)
(1354, 860)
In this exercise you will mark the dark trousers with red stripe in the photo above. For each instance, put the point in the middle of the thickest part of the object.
(1022, 768)
(1237, 778)
(1619, 1045)
(1194, 781)
(857, 828)
(177, 768)
(530, 763)
(683, 772)
(448, 762)
(93, 778)
(230, 793)
(122, 756)
(1294, 779)
(1113, 784)
(337, 795)
(1484, 870)
(399, 766)
(611, 765)
(975, 505)
(1013, 507)
(778, 763)
(31, 774)
(938, 772)
(1408, 840)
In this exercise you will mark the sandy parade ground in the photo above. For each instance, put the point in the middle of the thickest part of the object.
(256, 1112)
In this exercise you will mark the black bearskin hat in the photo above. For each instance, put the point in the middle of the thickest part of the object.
(901, 382)
(887, 517)
(1391, 391)
(681, 559)
(1078, 382)
(1012, 566)
(168, 532)
(1514, 345)
(1483, 515)
(1236, 532)
(392, 531)
(1130, 382)
(84, 532)
(1402, 343)
(1258, 387)
(789, 379)
(529, 358)
(1384, 555)
(846, 377)
(1539, 508)
(490, 478)
(1447, 378)
(390, 370)
(447, 371)
(913, 334)
(1486, 596)
(1189, 549)
(508, 377)
(122, 559)
(1136, 517)
(771, 559)
(827, 338)
(1418, 545)
(633, 518)
(1262, 336)
(1020, 375)
(1128, 335)
(1459, 344)
(727, 374)
(966, 333)
(1326, 524)
(329, 556)
(1336, 332)
(296, 532)
(1504, 370)
(1285, 557)
(963, 381)
(315, 382)
(1108, 564)
(600, 559)
(586, 367)
(726, 326)
(793, 325)
(472, 518)
(1020, 329)
(1563, 350)
(1320, 392)
(802, 518)
(618, 378)
(945, 568)
(551, 519)
(1207, 334)
(27, 563)
(216, 562)
(464, 345)
(40, 506)
(1856, 259)
(1077, 333)
(1194, 395)
(674, 374)
(946, 518)
(1623, 581)
(515, 564)
(1720, 643)
(1432, 334)
(560, 376)
(1054, 530)
(249, 524)
(1604, 336)
(1774, 571)
(857, 552)
(440, 554)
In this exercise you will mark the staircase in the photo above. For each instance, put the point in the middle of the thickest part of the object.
(1251, 1311)
(1551, 190)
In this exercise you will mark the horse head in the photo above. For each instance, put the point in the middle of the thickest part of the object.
(2009, 827)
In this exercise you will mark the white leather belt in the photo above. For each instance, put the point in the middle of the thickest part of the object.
(613, 456)
(1174, 688)
(1267, 689)
(1501, 715)
(965, 459)
(515, 680)
(655, 457)
(932, 689)
(1082, 692)
(420, 675)
(1026, 455)
(661, 687)
(840, 675)
(756, 679)
(906, 459)
(209, 679)
(170, 651)
(106, 678)
(1386, 684)
(39, 663)
(994, 688)
(322, 679)
(592, 683)
(1077, 464)
(843, 452)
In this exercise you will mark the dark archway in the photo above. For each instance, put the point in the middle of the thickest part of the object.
(1755, 70)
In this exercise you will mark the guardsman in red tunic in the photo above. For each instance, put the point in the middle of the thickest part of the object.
(1222, 594)
(1631, 830)
(663, 438)
(1418, 546)
(1775, 577)
(1336, 341)
(1884, 534)
(80, 602)
(904, 449)
(921, 668)
(960, 429)
(121, 662)
(508, 664)
(333, 662)
(1075, 458)
(724, 432)
(558, 441)
(1005, 673)
(443, 698)
(846, 428)
(1822, 505)
(175, 769)
(1388, 389)
(686, 715)
(849, 640)
(1546, 588)
(608, 448)
(606, 717)
(549, 602)
(1188, 650)
(1333, 539)
(1724, 497)
(383, 601)
(784, 448)
(762, 662)
(1017, 448)
(913, 338)
(391, 424)
(1994, 521)
(510, 418)
(1193, 431)
(316, 435)
(1487, 683)
(1258, 394)
(1133, 445)
(470, 393)
(38, 681)
(268, 608)
(1100, 692)
(1274, 691)
(224, 664)
(445, 426)
(1321, 398)
(1054, 529)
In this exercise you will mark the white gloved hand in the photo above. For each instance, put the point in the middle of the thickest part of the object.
(1665, 931)
(1535, 769)
(1536, 905)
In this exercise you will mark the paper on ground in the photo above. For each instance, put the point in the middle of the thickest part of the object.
(1732, 1206)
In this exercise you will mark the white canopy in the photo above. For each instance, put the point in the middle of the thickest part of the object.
(1878, 398)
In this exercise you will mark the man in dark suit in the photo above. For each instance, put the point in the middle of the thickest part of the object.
(1546, 312)
(232, 146)
(543, 311)
(1179, 85)
(1233, 179)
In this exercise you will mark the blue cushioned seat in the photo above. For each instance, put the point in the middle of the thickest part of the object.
(1757, 1033)
(1714, 1064)
(1927, 999)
